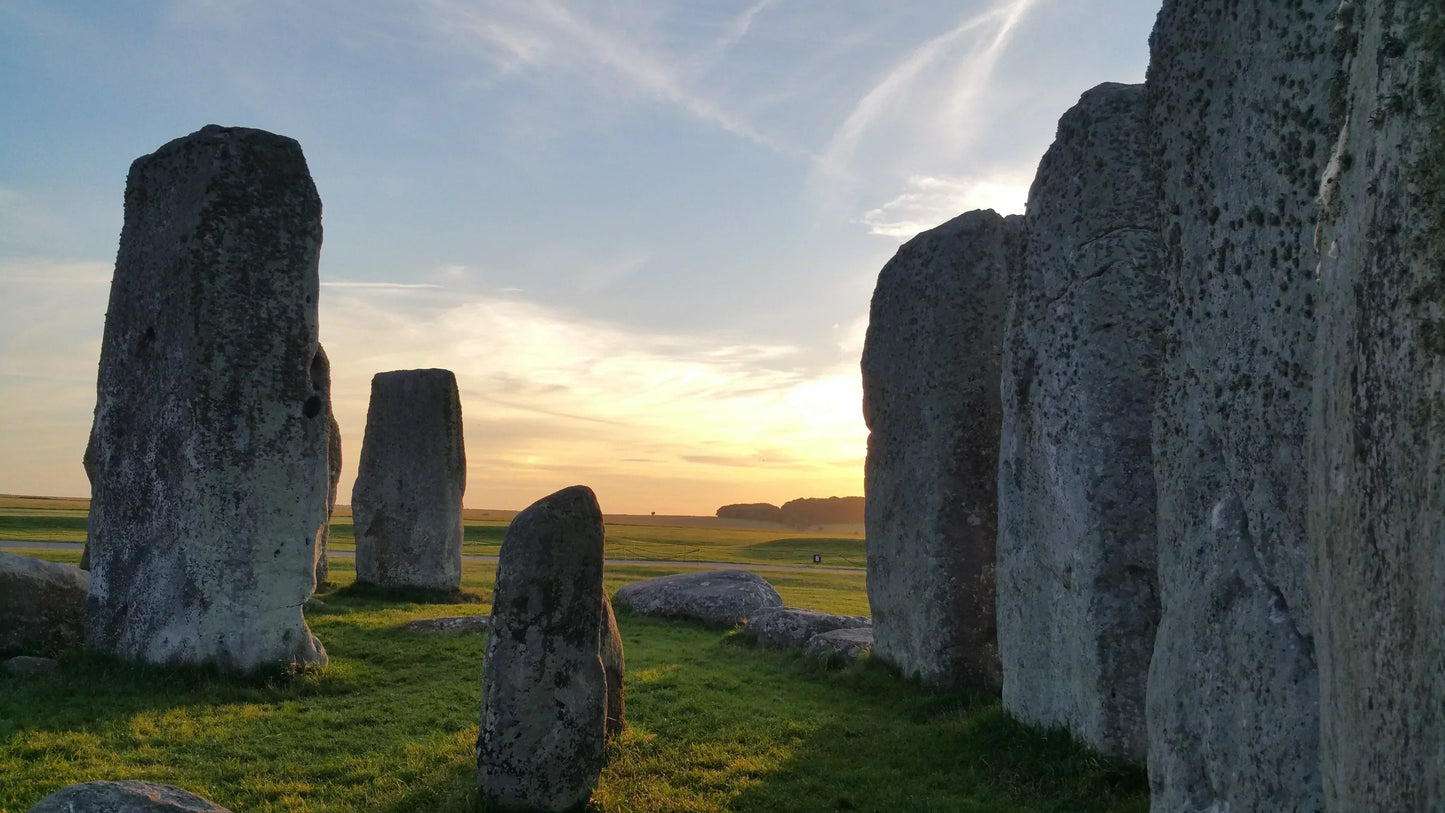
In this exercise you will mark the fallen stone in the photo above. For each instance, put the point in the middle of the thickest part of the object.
(314, 605)
(544, 684)
(848, 643)
(793, 628)
(614, 665)
(406, 505)
(1077, 541)
(724, 597)
(42, 605)
(1238, 95)
(931, 366)
(209, 464)
(1377, 436)
(30, 665)
(455, 625)
(124, 797)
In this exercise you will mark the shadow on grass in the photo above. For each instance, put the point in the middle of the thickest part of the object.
(369, 596)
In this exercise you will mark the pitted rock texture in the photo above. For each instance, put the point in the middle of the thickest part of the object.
(42, 605)
(1077, 596)
(333, 467)
(406, 505)
(1238, 100)
(127, 796)
(848, 643)
(931, 366)
(544, 683)
(1377, 457)
(454, 625)
(793, 628)
(614, 664)
(724, 597)
(209, 460)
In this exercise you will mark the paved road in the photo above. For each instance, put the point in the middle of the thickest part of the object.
(346, 554)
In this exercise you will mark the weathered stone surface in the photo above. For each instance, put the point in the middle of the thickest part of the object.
(847, 643)
(712, 596)
(407, 501)
(544, 684)
(931, 366)
(1377, 454)
(1238, 96)
(333, 466)
(614, 665)
(1077, 596)
(30, 665)
(455, 625)
(127, 796)
(793, 627)
(42, 605)
(209, 483)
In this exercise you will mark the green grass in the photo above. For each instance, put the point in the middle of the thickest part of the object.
(390, 724)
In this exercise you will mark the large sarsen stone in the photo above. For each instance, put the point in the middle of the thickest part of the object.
(126, 796)
(209, 458)
(711, 596)
(42, 605)
(406, 505)
(544, 681)
(1077, 597)
(931, 400)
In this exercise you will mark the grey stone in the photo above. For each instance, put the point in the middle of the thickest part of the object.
(42, 605)
(127, 796)
(1377, 452)
(406, 505)
(724, 597)
(333, 467)
(614, 665)
(31, 665)
(544, 684)
(455, 625)
(209, 484)
(1238, 93)
(793, 627)
(1077, 595)
(847, 643)
(931, 366)
(314, 605)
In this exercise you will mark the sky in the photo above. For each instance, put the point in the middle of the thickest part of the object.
(642, 233)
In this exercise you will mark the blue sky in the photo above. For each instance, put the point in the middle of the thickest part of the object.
(642, 233)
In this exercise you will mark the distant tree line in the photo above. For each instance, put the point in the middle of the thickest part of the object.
(799, 513)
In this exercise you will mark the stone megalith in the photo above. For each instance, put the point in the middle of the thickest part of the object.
(724, 597)
(1377, 445)
(544, 683)
(931, 401)
(42, 605)
(1238, 96)
(614, 665)
(406, 505)
(209, 460)
(333, 469)
(1077, 596)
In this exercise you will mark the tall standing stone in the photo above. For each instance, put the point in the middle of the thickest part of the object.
(931, 401)
(544, 683)
(1377, 456)
(333, 471)
(1077, 596)
(1238, 98)
(406, 505)
(209, 458)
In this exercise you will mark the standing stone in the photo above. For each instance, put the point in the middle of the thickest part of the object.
(931, 400)
(614, 664)
(1238, 97)
(406, 505)
(333, 471)
(544, 683)
(209, 464)
(1377, 455)
(1077, 597)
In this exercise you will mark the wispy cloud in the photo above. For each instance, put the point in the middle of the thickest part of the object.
(930, 201)
(381, 286)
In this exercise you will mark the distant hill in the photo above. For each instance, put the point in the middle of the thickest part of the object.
(800, 513)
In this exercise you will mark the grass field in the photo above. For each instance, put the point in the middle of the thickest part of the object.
(390, 725)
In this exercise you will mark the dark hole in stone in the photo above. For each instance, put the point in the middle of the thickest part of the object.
(148, 337)
(276, 553)
(312, 408)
